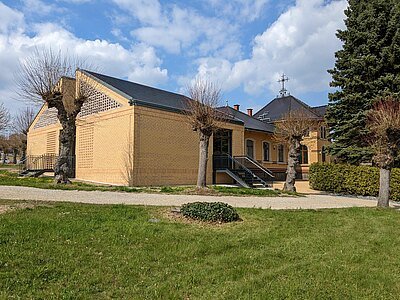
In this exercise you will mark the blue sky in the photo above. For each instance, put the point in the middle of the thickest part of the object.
(243, 45)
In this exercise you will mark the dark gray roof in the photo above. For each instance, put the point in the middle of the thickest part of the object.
(139, 94)
(142, 93)
(320, 110)
(250, 123)
(277, 108)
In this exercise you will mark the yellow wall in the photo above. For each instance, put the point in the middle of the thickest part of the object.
(167, 149)
(140, 146)
(313, 142)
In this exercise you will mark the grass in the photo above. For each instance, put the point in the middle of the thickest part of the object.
(70, 251)
(9, 166)
(11, 179)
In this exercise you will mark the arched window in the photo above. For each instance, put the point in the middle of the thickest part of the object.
(250, 148)
(303, 157)
(323, 154)
(281, 153)
(266, 150)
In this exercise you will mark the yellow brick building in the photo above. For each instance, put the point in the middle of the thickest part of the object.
(131, 134)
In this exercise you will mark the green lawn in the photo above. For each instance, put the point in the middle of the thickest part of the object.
(77, 251)
(12, 179)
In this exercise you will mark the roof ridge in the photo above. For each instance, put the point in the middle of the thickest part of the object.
(143, 85)
(305, 105)
(247, 115)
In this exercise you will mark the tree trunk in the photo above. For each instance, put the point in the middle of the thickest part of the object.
(294, 146)
(63, 168)
(24, 146)
(203, 158)
(15, 153)
(384, 187)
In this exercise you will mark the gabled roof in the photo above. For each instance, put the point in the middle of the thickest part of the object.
(139, 94)
(277, 108)
(250, 123)
(142, 94)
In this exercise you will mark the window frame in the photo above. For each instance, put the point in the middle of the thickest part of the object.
(283, 154)
(254, 148)
(269, 151)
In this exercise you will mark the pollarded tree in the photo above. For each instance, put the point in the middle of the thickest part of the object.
(367, 67)
(45, 77)
(22, 121)
(384, 127)
(291, 130)
(204, 118)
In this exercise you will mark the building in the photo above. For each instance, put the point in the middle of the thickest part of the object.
(133, 134)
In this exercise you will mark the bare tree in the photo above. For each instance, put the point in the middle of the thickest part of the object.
(16, 142)
(46, 77)
(22, 121)
(204, 118)
(4, 147)
(384, 127)
(4, 117)
(291, 129)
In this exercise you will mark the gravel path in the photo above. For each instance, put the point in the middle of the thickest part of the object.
(97, 197)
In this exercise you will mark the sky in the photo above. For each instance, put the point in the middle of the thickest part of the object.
(242, 45)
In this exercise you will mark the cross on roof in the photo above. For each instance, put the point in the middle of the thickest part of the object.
(283, 92)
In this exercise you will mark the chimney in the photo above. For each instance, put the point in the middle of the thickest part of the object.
(250, 112)
(236, 107)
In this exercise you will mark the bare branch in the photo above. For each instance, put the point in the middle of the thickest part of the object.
(4, 117)
(201, 107)
(294, 125)
(23, 120)
(383, 123)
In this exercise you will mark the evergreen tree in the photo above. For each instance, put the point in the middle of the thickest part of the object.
(367, 67)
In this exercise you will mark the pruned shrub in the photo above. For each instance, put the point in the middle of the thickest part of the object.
(210, 211)
(349, 179)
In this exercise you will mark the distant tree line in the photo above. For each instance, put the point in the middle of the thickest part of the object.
(13, 134)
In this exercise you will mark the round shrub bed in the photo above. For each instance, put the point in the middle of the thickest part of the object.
(210, 212)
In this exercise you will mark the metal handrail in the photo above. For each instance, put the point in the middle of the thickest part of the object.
(247, 170)
(256, 164)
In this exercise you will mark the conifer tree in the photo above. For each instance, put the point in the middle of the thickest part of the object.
(367, 67)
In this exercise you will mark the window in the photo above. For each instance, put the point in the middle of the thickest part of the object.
(250, 148)
(323, 154)
(303, 157)
(281, 153)
(323, 132)
(266, 151)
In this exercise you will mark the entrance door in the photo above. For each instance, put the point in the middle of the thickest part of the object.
(222, 145)
(250, 148)
(222, 142)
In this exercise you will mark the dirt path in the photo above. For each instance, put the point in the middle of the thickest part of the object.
(97, 197)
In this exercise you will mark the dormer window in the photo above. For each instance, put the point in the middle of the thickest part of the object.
(264, 117)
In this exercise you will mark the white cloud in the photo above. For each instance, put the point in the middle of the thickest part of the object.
(10, 20)
(241, 10)
(38, 7)
(139, 63)
(300, 43)
(180, 30)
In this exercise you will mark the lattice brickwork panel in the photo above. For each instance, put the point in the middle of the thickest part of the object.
(85, 148)
(51, 142)
(97, 102)
(49, 117)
